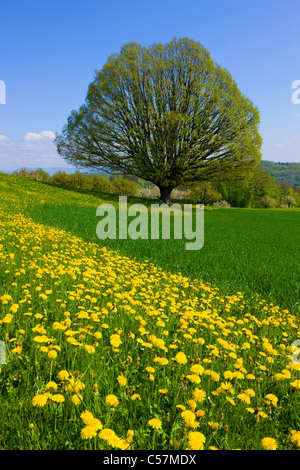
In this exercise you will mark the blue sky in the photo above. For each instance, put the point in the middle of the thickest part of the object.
(50, 50)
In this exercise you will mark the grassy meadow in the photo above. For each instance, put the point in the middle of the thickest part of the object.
(140, 344)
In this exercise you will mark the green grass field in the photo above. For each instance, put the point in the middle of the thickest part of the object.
(142, 344)
(248, 250)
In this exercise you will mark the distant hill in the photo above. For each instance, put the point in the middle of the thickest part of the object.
(288, 173)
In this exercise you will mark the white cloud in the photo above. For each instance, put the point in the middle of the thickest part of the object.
(32, 151)
(45, 135)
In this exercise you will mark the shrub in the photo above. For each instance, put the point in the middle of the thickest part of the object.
(23, 173)
(78, 180)
(204, 193)
(38, 175)
(221, 204)
(268, 202)
(289, 200)
(124, 187)
(149, 192)
(101, 183)
(61, 178)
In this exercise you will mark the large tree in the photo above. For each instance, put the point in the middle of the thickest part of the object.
(167, 114)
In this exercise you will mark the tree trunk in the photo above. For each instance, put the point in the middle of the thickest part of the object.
(165, 194)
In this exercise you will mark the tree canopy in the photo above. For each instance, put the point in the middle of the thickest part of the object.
(167, 114)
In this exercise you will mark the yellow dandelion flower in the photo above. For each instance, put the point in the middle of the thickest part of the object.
(58, 398)
(295, 437)
(180, 358)
(155, 423)
(189, 418)
(86, 417)
(51, 385)
(193, 378)
(115, 340)
(135, 396)
(122, 380)
(89, 348)
(192, 404)
(52, 354)
(199, 395)
(271, 398)
(213, 425)
(244, 397)
(107, 434)
(295, 384)
(111, 400)
(63, 375)
(76, 399)
(88, 432)
(268, 443)
(196, 440)
(230, 400)
(40, 400)
(197, 369)
(129, 436)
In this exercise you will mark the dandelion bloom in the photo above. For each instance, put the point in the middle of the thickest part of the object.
(230, 400)
(295, 437)
(155, 423)
(215, 376)
(197, 369)
(111, 400)
(180, 358)
(199, 395)
(295, 384)
(268, 443)
(213, 425)
(122, 380)
(228, 375)
(52, 354)
(58, 398)
(89, 348)
(52, 385)
(135, 396)
(76, 399)
(196, 440)
(163, 391)
(40, 400)
(86, 417)
(272, 398)
(189, 418)
(107, 434)
(63, 375)
(194, 378)
(262, 414)
(244, 397)
(161, 360)
(88, 432)
(129, 436)
(115, 340)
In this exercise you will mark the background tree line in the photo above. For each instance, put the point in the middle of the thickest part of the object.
(258, 190)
